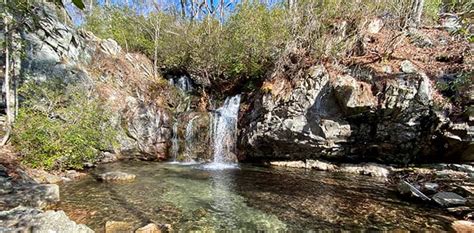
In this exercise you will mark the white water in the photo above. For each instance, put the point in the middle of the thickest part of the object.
(175, 142)
(183, 83)
(224, 134)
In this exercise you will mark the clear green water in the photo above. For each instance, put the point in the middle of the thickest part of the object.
(247, 199)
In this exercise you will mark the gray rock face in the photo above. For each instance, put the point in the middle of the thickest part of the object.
(26, 219)
(35, 195)
(54, 50)
(449, 199)
(116, 176)
(344, 118)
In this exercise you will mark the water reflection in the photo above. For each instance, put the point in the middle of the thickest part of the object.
(246, 199)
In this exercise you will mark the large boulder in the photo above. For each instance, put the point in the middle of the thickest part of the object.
(27, 219)
(347, 118)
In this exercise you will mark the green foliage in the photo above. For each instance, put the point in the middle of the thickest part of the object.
(246, 43)
(60, 126)
(241, 46)
(457, 89)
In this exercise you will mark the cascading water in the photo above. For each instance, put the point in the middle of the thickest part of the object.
(175, 142)
(224, 133)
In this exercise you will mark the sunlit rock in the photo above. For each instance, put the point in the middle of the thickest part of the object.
(116, 176)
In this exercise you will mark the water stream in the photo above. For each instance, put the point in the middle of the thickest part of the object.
(192, 198)
(224, 134)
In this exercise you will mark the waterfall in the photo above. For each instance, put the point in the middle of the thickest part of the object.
(189, 138)
(175, 142)
(224, 133)
(183, 83)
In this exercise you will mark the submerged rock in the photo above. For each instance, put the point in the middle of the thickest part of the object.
(27, 219)
(449, 199)
(369, 169)
(293, 164)
(320, 165)
(116, 176)
(406, 188)
(118, 227)
(463, 226)
(150, 228)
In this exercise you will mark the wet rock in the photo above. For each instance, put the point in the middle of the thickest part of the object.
(292, 164)
(369, 169)
(150, 228)
(27, 219)
(116, 176)
(73, 174)
(375, 26)
(118, 227)
(406, 188)
(459, 210)
(408, 67)
(43, 177)
(463, 226)
(320, 165)
(449, 199)
(431, 187)
(107, 157)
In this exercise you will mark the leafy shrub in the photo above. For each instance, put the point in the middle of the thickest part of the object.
(60, 126)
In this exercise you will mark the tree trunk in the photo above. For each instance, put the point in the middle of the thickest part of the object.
(183, 8)
(9, 110)
(416, 12)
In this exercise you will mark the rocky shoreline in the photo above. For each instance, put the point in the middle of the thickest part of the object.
(447, 186)
(26, 201)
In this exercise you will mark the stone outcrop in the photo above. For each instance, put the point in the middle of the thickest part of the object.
(27, 219)
(138, 101)
(349, 118)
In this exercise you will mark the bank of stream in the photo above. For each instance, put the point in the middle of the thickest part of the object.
(191, 197)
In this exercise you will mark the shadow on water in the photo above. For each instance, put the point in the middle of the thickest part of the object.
(248, 199)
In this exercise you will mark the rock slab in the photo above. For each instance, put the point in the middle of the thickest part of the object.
(116, 176)
(449, 199)
(27, 219)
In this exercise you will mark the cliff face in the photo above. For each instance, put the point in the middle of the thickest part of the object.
(355, 110)
(390, 113)
(138, 99)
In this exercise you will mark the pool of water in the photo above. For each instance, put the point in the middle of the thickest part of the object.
(247, 198)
